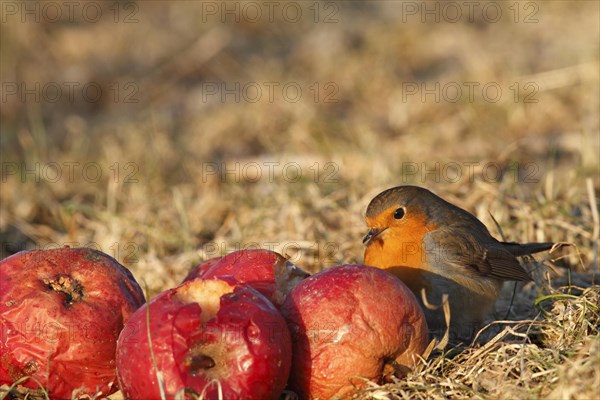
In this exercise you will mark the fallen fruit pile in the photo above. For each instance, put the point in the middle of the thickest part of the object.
(246, 325)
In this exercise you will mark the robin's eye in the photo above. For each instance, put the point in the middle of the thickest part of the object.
(399, 213)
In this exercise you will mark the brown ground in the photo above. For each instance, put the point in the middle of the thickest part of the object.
(162, 172)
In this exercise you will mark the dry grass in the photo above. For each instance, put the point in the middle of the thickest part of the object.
(175, 212)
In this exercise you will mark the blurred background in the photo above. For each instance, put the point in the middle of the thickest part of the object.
(165, 133)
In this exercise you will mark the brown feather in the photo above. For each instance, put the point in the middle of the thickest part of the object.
(479, 253)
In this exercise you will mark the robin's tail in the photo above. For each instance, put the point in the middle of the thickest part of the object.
(523, 249)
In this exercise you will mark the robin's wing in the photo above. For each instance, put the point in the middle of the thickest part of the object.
(473, 251)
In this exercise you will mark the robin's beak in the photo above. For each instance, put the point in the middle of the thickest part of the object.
(372, 234)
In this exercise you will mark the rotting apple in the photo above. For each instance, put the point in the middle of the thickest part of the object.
(213, 338)
(61, 311)
(350, 324)
(266, 271)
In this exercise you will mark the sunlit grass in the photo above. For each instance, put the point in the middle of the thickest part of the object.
(159, 207)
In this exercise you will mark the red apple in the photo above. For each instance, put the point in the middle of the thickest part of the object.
(61, 312)
(266, 271)
(347, 322)
(208, 336)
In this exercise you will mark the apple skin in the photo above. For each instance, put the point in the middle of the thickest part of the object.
(351, 321)
(243, 343)
(266, 271)
(65, 341)
(199, 270)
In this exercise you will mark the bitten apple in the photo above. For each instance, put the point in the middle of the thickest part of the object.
(208, 336)
(61, 312)
(266, 271)
(347, 322)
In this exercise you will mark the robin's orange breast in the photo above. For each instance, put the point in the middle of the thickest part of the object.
(401, 251)
(402, 245)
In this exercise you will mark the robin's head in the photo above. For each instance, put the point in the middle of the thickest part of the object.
(407, 209)
(412, 211)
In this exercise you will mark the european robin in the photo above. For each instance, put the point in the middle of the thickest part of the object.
(437, 249)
